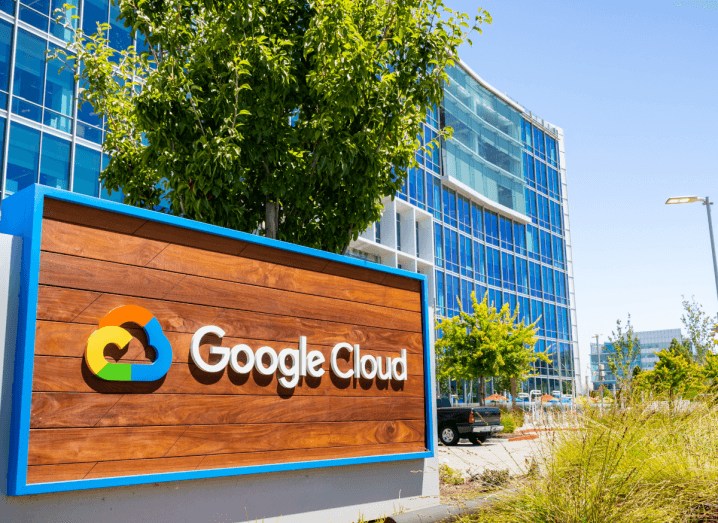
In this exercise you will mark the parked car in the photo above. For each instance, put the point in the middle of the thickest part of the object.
(473, 423)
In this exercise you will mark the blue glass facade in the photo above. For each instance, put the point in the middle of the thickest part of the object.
(46, 137)
(509, 158)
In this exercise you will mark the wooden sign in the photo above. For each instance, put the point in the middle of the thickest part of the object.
(153, 348)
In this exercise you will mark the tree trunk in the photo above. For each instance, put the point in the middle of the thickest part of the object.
(482, 392)
(513, 393)
(271, 220)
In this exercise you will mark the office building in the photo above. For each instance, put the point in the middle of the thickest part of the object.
(488, 212)
(650, 342)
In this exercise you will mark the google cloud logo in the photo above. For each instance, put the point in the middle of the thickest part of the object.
(110, 332)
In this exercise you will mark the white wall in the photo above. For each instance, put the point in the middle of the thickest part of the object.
(339, 495)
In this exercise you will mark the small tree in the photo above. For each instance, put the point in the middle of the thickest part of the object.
(683, 349)
(484, 344)
(625, 351)
(698, 327)
(674, 375)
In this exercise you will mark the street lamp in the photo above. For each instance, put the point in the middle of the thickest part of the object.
(706, 201)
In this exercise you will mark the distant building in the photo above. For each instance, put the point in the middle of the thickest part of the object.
(650, 342)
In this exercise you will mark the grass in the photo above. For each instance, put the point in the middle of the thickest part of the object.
(636, 464)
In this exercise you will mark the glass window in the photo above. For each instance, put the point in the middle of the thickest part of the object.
(5, 49)
(421, 201)
(464, 215)
(493, 262)
(480, 292)
(7, 6)
(451, 248)
(55, 164)
(507, 264)
(433, 194)
(480, 262)
(29, 69)
(477, 222)
(510, 298)
(531, 173)
(59, 90)
(120, 37)
(466, 304)
(398, 231)
(535, 279)
(543, 211)
(440, 301)
(507, 237)
(23, 158)
(546, 247)
(522, 276)
(524, 309)
(94, 12)
(452, 293)
(548, 284)
(558, 252)
(560, 287)
(467, 266)
(491, 227)
(438, 246)
(532, 242)
(87, 171)
(520, 238)
(526, 134)
(59, 30)
(449, 198)
(537, 316)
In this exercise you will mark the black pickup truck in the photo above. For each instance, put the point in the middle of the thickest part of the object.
(474, 423)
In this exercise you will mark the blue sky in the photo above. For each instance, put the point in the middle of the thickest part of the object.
(634, 86)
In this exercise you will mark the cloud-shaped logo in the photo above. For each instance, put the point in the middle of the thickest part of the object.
(110, 332)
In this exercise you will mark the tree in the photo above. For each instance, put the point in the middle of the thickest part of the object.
(674, 375)
(682, 348)
(636, 371)
(484, 344)
(624, 353)
(292, 118)
(699, 327)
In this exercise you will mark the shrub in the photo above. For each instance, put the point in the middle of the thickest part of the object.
(640, 463)
(449, 476)
(507, 420)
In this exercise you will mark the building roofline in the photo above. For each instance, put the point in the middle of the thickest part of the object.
(489, 87)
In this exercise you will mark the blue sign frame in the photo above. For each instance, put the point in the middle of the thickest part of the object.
(22, 216)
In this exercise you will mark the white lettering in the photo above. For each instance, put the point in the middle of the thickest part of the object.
(365, 373)
(335, 367)
(234, 359)
(303, 363)
(194, 349)
(314, 360)
(395, 364)
(292, 371)
(259, 365)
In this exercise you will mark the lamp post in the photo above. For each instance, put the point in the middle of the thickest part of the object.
(707, 202)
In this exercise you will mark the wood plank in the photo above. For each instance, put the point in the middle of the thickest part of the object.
(98, 244)
(227, 439)
(53, 473)
(283, 257)
(61, 270)
(52, 374)
(245, 324)
(72, 410)
(354, 272)
(248, 459)
(186, 260)
(94, 275)
(55, 446)
(204, 291)
(83, 215)
(191, 238)
(70, 340)
(402, 282)
(105, 469)
(54, 303)
(138, 467)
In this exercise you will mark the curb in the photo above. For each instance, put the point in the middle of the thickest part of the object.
(445, 513)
